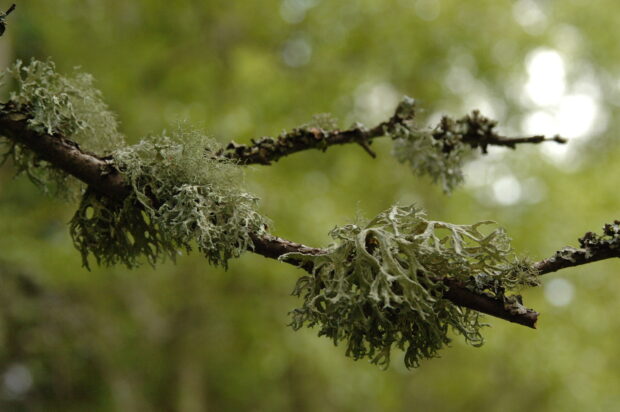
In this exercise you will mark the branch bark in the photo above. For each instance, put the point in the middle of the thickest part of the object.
(64, 154)
(474, 130)
(99, 174)
(592, 249)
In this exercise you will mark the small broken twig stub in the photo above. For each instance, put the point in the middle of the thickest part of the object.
(3, 18)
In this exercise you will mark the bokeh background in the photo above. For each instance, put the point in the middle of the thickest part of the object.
(190, 337)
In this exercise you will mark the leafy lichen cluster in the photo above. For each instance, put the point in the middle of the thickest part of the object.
(381, 285)
(181, 195)
(68, 106)
(439, 158)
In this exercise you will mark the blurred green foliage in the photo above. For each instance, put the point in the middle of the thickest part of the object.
(191, 337)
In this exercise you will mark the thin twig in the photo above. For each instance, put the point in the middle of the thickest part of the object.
(474, 130)
(3, 18)
(9, 11)
(592, 249)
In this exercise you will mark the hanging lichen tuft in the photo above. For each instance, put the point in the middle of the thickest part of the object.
(67, 106)
(181, 196)
(427, 153)
(381, 285)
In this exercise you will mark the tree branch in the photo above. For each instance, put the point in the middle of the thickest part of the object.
(474, 130)
(3, 18)
(99, 174)
(64, 154)
(592, 249)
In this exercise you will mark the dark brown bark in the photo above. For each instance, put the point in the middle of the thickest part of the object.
(66, 155)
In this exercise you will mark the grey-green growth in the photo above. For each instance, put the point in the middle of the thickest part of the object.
(380, 286)
(441, 159)
(181, 196)
(69, 106)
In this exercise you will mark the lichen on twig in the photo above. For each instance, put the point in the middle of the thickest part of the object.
(180, 197)
(381, 285)
(57, 105)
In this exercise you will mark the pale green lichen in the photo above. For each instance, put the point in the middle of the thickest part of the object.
(321, 121)
(181, 196)
(440, 158)
(381, 285)
(67, 106)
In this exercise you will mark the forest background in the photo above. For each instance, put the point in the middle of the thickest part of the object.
(191, 337)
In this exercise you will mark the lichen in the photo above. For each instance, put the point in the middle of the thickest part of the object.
(381, 285)
(181, 196)
(68, 106)
(321, 121)
(439, 156)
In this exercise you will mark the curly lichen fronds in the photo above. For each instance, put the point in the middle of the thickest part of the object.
(57, 105)
(180, 196)
(381, 285)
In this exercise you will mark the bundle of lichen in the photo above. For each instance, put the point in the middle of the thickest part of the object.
(68, 106)
(426, 154)
(381, 285)
(181, 195)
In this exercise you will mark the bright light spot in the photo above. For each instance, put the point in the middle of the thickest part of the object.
(560, 154)
(530, 16)
(559, 292)
(297, 52)
(294, 11)
(17, 380)
(483, 171)
(507, 190)
(576, 115)
(427, 9)
(376, 101)
(476, 173)
(534, 190)
(459, 80)
(540, 122)
(546, 83)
